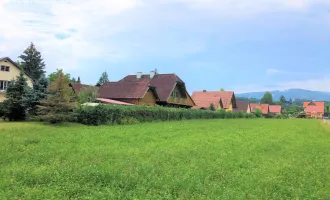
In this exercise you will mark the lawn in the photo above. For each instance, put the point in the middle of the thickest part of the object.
(198, 159)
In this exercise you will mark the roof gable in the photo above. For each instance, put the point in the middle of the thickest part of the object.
(242, 106)
(313, 103)
(164, 83)
(14, 63)
(205, 98)
(275, 109)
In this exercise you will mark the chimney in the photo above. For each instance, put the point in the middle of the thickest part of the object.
(138, 75)
(204, 90)
(152, 74)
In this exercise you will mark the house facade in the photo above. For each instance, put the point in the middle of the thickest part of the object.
(137, 93)
(170, 89)
(220, 99)
(9, 70)
(242, 106)
(314, 109)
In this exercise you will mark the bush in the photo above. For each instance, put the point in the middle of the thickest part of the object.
(56, 118)
(2, 109)
(114, 114)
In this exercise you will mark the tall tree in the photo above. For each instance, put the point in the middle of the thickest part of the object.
(38, 93)
(282, 99)
(78, 81)
(103, 79)
(32, 63)
(58, 103)
(267, 98)
(17, 95)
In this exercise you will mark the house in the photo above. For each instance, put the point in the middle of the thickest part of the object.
(220, 99)
(275, 109)
(137, 93)
(263, 107)
(242, 106)
(170, 89)
(314, 109)
(9, 70)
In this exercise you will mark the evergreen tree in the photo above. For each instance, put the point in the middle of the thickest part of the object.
(103, 79)
(38, 93)
(267, 98)
(58, 102)
(282, 99)
(212, 107)
(32, 63)
(17, 99)
(78, 79)
(73, 80)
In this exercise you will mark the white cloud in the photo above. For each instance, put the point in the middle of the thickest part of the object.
(248, 7)
(91, 28)
(273, 71)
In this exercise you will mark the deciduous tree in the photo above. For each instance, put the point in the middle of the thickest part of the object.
(267, 98)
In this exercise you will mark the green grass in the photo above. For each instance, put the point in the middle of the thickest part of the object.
(205, 159)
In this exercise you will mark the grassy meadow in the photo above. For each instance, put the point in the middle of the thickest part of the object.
(197, 159)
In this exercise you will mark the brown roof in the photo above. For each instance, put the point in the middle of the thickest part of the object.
(205, 98)
(277, 109)
(242, 106)
(124, 90)
(78, 86)
(164, 83)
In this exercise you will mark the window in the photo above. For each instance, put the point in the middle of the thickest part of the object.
(175, 94)
(4, 85)
(4, 68)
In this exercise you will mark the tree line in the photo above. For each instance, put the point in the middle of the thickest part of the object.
(49, 97)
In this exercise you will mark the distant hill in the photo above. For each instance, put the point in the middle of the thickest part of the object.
(292, 93)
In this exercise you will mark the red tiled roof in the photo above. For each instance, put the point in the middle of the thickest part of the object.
(313, 103)
(242, 106)
(263, 107)
(314, 109)
(164, 83)
(205, 98)
(124, 90)
(111, 101)
(78, 86)
(277, 109)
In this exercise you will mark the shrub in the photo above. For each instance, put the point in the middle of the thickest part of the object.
(2, 109)
(114, 114)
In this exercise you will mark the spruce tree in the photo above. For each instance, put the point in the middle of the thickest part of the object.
(17, 99)
(78, 81)
(32, 63)
(59, 100)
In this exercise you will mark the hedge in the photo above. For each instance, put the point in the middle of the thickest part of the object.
(114, 114)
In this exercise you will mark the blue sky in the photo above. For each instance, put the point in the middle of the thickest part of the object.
(245, 46)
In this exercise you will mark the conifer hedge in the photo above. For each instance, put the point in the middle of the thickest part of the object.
(114, 114)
